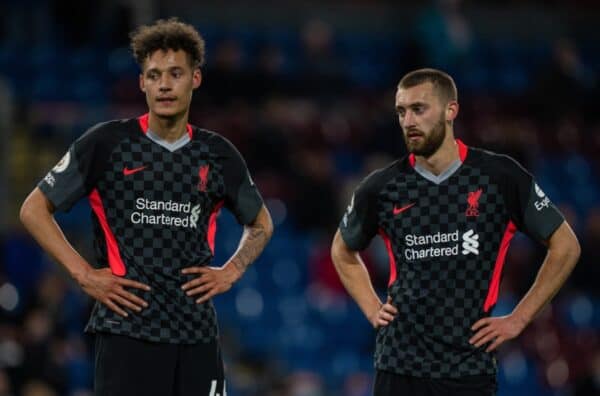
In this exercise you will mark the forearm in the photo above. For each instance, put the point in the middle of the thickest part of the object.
(355, 277)
(37, 218)
(558, 264)
(254, 239)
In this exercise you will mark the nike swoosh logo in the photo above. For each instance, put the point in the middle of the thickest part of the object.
(398, 210)
(127, 171)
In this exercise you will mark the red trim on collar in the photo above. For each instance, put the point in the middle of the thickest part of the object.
(412, 160)
(463, 150)
(143, 121)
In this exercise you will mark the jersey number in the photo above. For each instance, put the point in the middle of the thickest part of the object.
(213, 389)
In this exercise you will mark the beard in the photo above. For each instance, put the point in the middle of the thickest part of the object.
(430, 143)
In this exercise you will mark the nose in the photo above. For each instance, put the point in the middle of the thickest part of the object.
(408, 120)
(165, 83)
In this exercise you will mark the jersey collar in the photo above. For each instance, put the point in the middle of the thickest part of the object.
(463, 150)
(143, 121)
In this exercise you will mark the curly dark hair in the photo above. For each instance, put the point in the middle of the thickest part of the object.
(165, 35)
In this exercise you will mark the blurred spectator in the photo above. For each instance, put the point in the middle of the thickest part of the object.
(566, 86)
(587, 272)
(445, 35)
(322, 71)
(290, 93)
(38, 388)
(5, 385)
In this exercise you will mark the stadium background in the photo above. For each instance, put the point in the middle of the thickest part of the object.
(305, 91)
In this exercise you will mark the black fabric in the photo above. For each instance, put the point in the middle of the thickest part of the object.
(444, 240)
(390, 384)
(159, 205)
(530, 209)
(126, 366)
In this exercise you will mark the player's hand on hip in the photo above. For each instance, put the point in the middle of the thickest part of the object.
(210, 281)
(496, 330)
(110, 290)
(384, 315)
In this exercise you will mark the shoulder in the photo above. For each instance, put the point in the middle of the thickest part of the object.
(376, 180)
(108, 131)
(495, 163)
(217, 142)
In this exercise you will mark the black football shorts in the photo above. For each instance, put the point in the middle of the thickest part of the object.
(390, 384)
(127, 366)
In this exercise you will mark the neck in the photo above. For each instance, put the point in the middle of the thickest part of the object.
(168, 128)
(442, 158)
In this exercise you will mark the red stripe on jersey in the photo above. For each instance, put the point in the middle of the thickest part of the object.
(212, 227)
(114, 256)
(462, 153)
(143, 120)
(492, 296)
(388, 245)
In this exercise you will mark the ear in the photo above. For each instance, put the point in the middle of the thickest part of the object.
(196, 78)
(142, 85)
(451, 110)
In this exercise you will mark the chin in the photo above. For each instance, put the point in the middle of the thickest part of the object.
(166, 113)
(414, 149)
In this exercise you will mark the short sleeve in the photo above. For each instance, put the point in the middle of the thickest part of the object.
(242, 197)
(531, 209)
(359, 223)
(74, 175)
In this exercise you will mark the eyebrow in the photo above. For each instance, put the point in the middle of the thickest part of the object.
(413, 104)
(171, 68)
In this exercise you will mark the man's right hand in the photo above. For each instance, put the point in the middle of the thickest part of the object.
(384, 315)
(109, 289)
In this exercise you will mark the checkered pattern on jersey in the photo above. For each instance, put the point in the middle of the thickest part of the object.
(155, 253)
(438, 298)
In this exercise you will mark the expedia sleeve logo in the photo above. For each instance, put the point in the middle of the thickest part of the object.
(543, 201)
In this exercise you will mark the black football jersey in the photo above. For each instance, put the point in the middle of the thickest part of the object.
(447, 241)
(154, 208)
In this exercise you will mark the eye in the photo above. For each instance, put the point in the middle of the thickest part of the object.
(177, 73)
(152, 75)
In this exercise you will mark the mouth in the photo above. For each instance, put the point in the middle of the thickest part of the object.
(414, 135)
(167, 100)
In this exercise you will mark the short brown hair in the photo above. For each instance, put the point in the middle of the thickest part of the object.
(442, 82)
(165, 35)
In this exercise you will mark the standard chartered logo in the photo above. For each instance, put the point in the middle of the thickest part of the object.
(470, 243)
(440, 244)
(173, 213)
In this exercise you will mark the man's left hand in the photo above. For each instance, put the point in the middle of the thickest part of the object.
(210, 281)
(497, 330)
